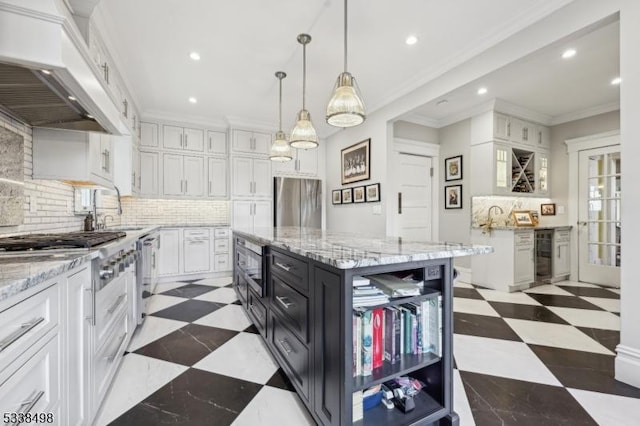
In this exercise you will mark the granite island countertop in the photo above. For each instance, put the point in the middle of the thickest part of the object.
(524, 228)
(347, 250)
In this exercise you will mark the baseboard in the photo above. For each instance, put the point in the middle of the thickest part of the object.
(464, 275)
(628, 365)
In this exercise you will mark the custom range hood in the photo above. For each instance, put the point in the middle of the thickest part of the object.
(47, 78)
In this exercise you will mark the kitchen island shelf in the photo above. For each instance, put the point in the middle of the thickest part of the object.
(426, 412)
(388, 371)
(426, 293)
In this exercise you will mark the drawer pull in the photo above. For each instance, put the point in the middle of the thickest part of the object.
(29, 404)
(256, 312)
(111, 357)
(24, 329)
(283, 301)
(285, 267)
(117, 303)
(285, 346)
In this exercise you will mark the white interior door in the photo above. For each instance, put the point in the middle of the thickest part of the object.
(414, 197)
(599, 216)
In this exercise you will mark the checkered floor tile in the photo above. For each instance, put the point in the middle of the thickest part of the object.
(540, 357)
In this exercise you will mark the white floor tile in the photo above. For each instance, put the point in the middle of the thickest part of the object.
(462, 285)
(460, 402)
(587, 318)
(502, 358)
(556, 335)
(222, 295)
(137, 378)
(609, 409)
(244, 357)
(611, 305)
(473, 306)
(152, 329)
(501, 296)
(548, 289)
(215, 282)
(162, 287)
(231, 317)
(576, 284)
(274, 407)
(159, 302)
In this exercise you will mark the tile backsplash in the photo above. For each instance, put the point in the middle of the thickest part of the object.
(480, 209)
(144, 211)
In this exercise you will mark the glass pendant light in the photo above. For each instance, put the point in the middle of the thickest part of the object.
(280, 149)
(304, 134)
(345, 109)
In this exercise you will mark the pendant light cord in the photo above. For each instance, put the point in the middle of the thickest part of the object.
(345, 35)
(304, 75)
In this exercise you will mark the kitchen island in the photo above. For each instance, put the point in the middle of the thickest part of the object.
(296, 285)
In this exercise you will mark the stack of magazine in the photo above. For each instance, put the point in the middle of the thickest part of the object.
(394, 286)
(366, 294)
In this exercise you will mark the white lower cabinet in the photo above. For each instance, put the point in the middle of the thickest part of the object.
(169, 255)
(197, 250)
(523, 257)
(561, 252)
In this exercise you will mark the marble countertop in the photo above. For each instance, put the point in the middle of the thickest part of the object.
(524, 228)
(345, 250)
(178, 225)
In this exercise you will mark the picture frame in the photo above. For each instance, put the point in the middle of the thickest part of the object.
(356, 162)
(453, 197)
(336, 196)
(372, 193)
(358, 194)
(522, 218)
(548, 209)
(453, 168)
(347, 196)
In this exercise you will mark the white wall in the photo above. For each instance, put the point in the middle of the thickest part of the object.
(417, 132)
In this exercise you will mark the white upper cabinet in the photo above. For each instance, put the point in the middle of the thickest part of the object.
(182, 138)
(216, 143)
(217, 178)
(125, 168)
(149, 173)
(304, 163)
(495, 126)
(149, 135)
(249, 142)
(251, 177)
(182, 175)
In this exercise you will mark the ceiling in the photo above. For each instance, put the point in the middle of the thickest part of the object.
(243, 43)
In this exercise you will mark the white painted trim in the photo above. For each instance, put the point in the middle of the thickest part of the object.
(627, 365)
(166, 118)
(585, 113)
(422, 120)
(599, 140)
(464, 275)
(410, 146)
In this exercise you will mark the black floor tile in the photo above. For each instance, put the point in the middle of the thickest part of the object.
(500, 401)
(467, 293)
(564, 301)
(590, 291)
(526, 312)
(584, 370)
(189, 291)
(280, 380)
(237, 302)
(607, 338)
(251, 329)
(483, 326)
(189, 310)
(188, 344)
(195, 397)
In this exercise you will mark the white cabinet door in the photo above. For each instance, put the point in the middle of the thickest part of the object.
(523, 265)
(242, 141)
(217, 181)
(197, 255)
(172, 137)
(172, 174)
(217, 143)
(261, 143)
(149, 134)
(285, 167)
(307, 161)
(193, 139)
(502, 168)
(501, 126)
(515, 130)
(135, 173)
(243, 215)
(193, 172)
(262, 214)
(106, 143)
(542, 173)
(528, 133)
(561, 259)
(149, 173)
(242, 180)
(542, 137)
(262, 182)
(169, 254)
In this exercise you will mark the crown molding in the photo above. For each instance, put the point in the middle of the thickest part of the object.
(165, 116)
(416, 118)
(241, 122)
(585, 113)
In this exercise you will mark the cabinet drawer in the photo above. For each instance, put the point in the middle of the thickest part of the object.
(562, 236)
(24, 323)
(221, 246)
(108, 356)
(257, 312)
(292, 306)
(110, 301)
(222, 262)
(523, 238)
(290, 269)
(240, 285)
(221, 233)
(35, 386)
(294, 354)
(198, 233)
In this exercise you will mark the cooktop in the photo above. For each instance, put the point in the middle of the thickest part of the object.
(58, 241)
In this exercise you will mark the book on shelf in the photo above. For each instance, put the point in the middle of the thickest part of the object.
(435, 325)
(394, 286)
(367, 343)
(392, 335)
(378, 343)
(357, 344)
(358, 409)
(359, 281)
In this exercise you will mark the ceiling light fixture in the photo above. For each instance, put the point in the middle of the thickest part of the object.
(482, 91)
(280, 149)
(47, 72)
(616, 81)
(193, 100)
(304, 134)
(411, 40)
(442, 102)
(71, 98)
(195, 56)
(569, 53)
(345, 109)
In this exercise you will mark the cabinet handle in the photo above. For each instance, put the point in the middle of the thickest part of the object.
(540, 138)
(24, 329)
(113, 307)
(286, 346)
(27, 405)
(209, 143)
(399, 202)
(105, 69)
(209, 187)
(125, 112)
(509, 129)
(186, 140)
(283, 266)
(111, 357)
(180, 140)
(153, 261)
(283, 301)
(186, 186)
(256, 312)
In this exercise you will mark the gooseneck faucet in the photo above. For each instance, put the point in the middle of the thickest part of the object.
(489, 213)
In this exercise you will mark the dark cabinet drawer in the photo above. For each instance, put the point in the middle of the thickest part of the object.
(294, 355)
(292, 306)
(241, 287)
(293, 270)
(257, 312)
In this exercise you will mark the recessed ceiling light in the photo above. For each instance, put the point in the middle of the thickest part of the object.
(90, 116)
(616, 81)
(193, 100)
(442, 102)
(47, 72)
(411, 40)
(71, 98)
(482, 91)
(195, 56)
(569, 53)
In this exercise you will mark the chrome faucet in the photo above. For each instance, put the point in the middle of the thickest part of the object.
(489, 213)
(104, 221)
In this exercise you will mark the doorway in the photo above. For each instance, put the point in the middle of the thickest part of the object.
(414, 178)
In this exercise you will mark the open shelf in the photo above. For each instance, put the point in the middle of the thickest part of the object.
(425, 293)
(427, 411)
(407, 364)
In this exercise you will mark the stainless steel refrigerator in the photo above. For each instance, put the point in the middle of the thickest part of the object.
(297, 202)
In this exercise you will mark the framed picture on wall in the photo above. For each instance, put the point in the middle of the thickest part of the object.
(453, 168)
(372, 192)
(548, 209)
(347, 196)
(358, 194)
(336, 196)
(453, 197)
(356, 161)
(522, 218)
